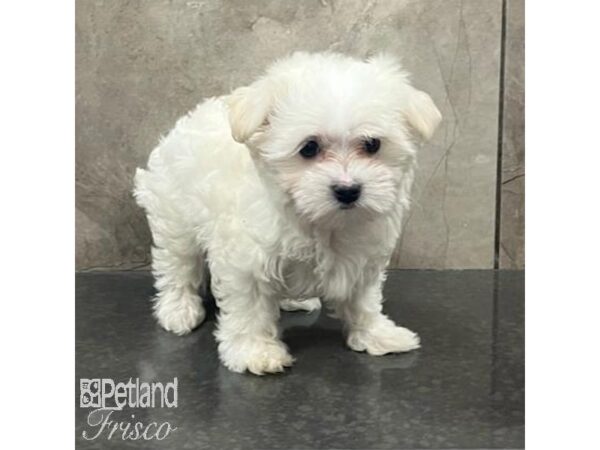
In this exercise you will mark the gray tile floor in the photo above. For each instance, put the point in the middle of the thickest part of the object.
(463, 389)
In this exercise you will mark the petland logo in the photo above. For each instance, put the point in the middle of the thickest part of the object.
(107, 398)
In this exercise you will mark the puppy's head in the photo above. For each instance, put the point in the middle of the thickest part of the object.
(337, 134)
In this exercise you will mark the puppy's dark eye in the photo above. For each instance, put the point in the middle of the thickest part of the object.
(310, 149)
(372, 145)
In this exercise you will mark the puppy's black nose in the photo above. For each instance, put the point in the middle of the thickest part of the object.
(346, 194)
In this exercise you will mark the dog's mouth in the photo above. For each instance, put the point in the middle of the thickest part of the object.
(349, 206)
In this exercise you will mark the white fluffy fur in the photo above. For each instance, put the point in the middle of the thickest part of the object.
(227, 188)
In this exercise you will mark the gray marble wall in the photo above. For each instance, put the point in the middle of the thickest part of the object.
(142, 64)
(511, 243)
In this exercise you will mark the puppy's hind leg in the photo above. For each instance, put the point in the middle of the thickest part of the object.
(178, 307)
(308, 304)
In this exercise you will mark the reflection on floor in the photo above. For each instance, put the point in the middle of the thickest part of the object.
(463, 389)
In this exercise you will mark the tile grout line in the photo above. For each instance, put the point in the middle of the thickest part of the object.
(498, 218)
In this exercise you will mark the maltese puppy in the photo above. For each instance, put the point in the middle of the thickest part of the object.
(290, 191)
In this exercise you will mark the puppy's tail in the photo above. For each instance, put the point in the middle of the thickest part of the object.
(141, 193)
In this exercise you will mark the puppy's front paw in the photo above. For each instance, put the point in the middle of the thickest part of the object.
(179, 316)
(383, 338)
(257, 355)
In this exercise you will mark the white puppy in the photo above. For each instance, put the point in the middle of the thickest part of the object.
(291, 188)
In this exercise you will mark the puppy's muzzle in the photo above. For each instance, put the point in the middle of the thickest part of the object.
(346, 194)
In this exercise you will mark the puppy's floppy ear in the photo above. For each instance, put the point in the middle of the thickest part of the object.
(249, 107)
(421, 113)
(417, 107)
